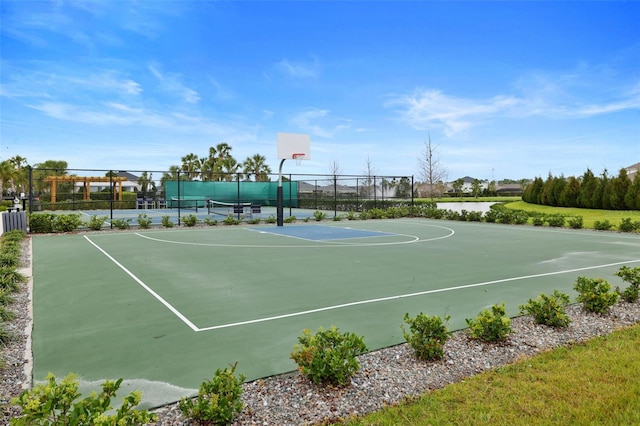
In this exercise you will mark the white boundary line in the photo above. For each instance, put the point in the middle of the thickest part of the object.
(402, 296)
(146, 287)
(343, 305)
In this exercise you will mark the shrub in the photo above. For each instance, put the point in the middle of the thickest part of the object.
(230, 220)
(632, 293)
(270, 219)
(626, 225)
(351, 215)
(67, 222)
(41, 223)
(96, 223)
(218, 400)
(490, 326)
(255, 221)
(121, 223)
(55, 404)
(144, 221)
(289, 219)
(166, 221)
(602, 225)
(491, 216)
(6, 336)
(190, 220)
(10, 278)
(556, 220)
(538, 220)
(595, 294)
(575, 222)
(428, 335)
(319, 216)
(8, 260)
(328, 356)
(210, 222)
(548, 310)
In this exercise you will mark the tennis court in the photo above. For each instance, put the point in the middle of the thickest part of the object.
(165, 308)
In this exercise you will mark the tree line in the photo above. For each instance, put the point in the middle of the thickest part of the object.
(588, 191)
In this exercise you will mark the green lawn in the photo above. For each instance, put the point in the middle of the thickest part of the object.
(589, 216)
(544, 390)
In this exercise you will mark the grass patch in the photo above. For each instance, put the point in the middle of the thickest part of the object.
(593, 383)
(472, 199)
(589, 216)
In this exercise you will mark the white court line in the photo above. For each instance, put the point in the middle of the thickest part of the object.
(401, 296)
(345, 305)
(146, 287)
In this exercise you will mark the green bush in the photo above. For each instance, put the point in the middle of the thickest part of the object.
(319, 216)
(6, 336)
(8, 260)
(41, 223)
(631, 294)
(289, 219)
(190, 220)
(602, 225)
(595, 294)
(67, 222)
(575, 222)
(166, 221)
(556, 220)
(121, 223)
(10, 278)
(56, 404)
(96, 223)
(490, 326)
(144, 221)
(626, 225)
(210, 222)
(548, 310)
(427, 336)
(270, 219)
(328, 356)
(490, 216)
(351, 215)
(538, 220)
(218, 400)
(230, 220)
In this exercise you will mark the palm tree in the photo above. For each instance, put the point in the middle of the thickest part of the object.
(21, 178)
(229, 168)
(7, 174)
(172, 174)
(191, 165)
(256, 166)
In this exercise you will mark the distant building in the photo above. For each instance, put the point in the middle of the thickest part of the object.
(632, 171)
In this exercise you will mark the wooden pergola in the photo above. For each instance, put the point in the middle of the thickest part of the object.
(86, 180)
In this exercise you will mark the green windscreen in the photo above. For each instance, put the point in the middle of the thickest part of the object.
(195, 193)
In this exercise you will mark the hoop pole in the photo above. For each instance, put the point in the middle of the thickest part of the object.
(280, 203)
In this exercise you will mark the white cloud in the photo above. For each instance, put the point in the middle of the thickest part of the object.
(299, 69)
(319, 122)
(171, 83)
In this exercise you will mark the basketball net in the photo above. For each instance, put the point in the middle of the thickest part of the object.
(298, 158)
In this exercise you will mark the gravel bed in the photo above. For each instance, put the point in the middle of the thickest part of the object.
(388, 376)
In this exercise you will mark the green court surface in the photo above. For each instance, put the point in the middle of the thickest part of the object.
(164, 309)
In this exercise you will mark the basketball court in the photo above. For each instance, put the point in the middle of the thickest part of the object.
(165, 308)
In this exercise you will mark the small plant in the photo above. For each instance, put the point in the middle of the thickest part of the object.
(67, 222)
(337, 218)
(490, 216)
(96, 223)
(490, 326)
(218, 400)
(289, 219)
(575, 222)
(190, 220)
(631, 294)
(319, 216)
(56, 404)
(427, 336)
(210, 222)
(556, 220)
(270, 219)
(6, 336)
(602, 225)
(626, 225)
(254, 221)
(41, 223)
(166, 221)
(10, 278)
(538, 220)
(548, 310)
(230, 220)
(306, 219)
(328, 356)
(121, 223)
(595, 294)
(351, 215)
(144, 221)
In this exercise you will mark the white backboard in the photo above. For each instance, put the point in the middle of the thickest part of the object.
(290, 144)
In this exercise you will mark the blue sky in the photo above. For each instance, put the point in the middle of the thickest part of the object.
(504, 89)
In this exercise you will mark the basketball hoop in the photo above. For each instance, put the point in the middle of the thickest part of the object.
(298, 157)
